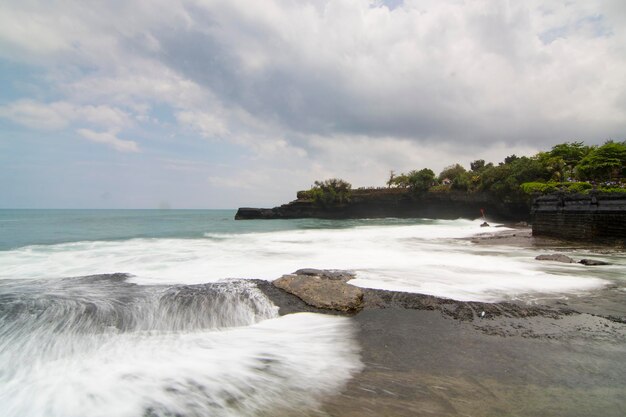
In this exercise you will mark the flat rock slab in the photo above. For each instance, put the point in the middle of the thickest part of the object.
(323, 289)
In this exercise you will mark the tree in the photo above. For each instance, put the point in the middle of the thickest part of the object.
(462, 182)
(571, 153)
(566, 155)
(509, 159)
(451, 172)
(477, 165)
(420, 181)
(505, 179)
(555, 165)
(390, 181)
(604, 163)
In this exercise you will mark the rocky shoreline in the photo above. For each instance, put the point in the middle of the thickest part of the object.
(432, 356)
(309, 290)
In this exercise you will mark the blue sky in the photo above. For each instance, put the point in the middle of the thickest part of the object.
(220, 104)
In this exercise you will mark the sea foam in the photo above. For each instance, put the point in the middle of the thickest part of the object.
(427, 257)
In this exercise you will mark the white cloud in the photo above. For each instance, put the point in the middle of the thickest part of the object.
(109, 138)
(469, 71)
(36, 115)
(208, 125)
(60, 114)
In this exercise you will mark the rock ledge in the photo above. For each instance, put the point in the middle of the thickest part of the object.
(326, 289)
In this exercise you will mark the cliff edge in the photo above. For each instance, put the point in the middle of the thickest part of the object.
(394, 202)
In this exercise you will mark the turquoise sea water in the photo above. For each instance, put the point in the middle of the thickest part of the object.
(44, 227)
(35, 227)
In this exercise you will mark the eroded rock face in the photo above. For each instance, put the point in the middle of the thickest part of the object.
(323, 289)
(557, 257)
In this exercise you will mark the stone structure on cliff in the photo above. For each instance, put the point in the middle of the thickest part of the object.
(580, 216)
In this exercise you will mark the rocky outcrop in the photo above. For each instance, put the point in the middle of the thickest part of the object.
(557, 257)
(592, 262)
(590, 216)
(394, 202)
(323, 289)
(314, 290)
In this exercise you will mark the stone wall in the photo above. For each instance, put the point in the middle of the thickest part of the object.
(580, 216)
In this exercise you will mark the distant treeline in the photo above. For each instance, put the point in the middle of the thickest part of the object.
(570, 167)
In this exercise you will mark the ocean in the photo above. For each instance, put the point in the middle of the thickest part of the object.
(148, 312)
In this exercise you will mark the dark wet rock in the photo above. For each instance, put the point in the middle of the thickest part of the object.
(458, 310)
(592, 262)
(484, 224)
(315, 290)
(557, 257)
(323, 289)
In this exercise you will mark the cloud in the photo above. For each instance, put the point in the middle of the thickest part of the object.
(60, 114)
(36, 115)
(426, 71)
(208, 125)
(348, 88)
(110, 139)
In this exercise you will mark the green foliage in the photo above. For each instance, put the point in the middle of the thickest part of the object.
(604, 163)
(440, 188)
(537, 187)
(510, 159)
(531, 188)
(505, 179)
(401, 181)
(570, 153)
(555, 165)
(612, 190)
(462, 182)
(517, 178)
(420, 181)
(577, 187)
(330, 193)
(452, 172)
(477, 165)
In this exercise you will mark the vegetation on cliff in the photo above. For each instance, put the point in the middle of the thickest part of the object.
(568, 167)
(331, 192)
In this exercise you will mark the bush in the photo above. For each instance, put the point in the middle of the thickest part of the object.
(550, 187)
(578, 187)
(538, 187)
(612, 190)
(331, 192)
(440, 189)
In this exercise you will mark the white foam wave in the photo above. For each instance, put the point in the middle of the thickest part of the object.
(283, 364)
(426, 258)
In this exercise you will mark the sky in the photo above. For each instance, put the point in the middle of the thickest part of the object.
(221, 104)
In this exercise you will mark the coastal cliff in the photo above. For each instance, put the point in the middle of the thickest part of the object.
(394, 202)
(580, 216)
